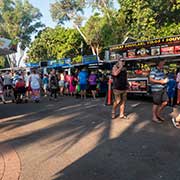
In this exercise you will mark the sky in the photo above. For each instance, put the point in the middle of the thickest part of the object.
(44, 7)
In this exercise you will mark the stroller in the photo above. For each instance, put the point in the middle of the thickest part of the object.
(20, 91)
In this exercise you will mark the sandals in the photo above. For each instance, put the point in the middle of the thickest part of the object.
(160, 118)
(123, 117)
(175, 123)
(157, 121)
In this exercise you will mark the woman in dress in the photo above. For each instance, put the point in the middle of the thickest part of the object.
(72, 84)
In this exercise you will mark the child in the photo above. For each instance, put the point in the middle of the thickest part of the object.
(171, 87)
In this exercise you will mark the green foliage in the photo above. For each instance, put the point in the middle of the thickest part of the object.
(147, 19)
(56, 43)
(18, 20)
(66, 10)
(77, 59)
(2, 62)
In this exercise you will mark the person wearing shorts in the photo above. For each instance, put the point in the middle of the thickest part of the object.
(93, 83)
(159, 93)
(120, 86)
(82, 78)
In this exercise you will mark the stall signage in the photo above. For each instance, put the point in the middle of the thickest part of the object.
(154, 42)
(131, 53)
(92, 59)
(137, 85)
(32, 65)
(177, 49)
(67, 61)
(155, 51)
(52, 63)
(167, 50)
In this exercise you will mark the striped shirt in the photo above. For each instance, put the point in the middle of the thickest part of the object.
(157, 74)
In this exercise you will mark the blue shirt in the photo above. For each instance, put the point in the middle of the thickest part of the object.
(157, 74)
(45, 80)
(83, 76)
(171, 85)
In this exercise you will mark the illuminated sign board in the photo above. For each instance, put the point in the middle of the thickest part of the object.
(156, 47)
(155, 42)
(92, 59)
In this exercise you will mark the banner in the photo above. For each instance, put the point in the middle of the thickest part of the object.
(7, 46)
(138, 85)
(153, 42)
(167, 50)
(92, 59)
(32, 65)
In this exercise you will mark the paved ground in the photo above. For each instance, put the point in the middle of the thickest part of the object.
(77, 140)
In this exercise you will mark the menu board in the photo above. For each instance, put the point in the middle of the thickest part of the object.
(142, 52)
(138, 85)
(131, 53)
(146, 49)
(91, 59)
(167, 50)
(177, 49)
(155, 51)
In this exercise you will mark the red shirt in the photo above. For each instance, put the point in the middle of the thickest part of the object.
(20, 84)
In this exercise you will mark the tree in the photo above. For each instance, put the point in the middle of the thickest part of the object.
(56, 43)
(148, 19)
(69, 10)
(19, 19)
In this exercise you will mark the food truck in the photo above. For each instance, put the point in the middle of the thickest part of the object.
(141, 56)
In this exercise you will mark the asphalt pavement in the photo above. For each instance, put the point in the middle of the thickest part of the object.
(74, 139)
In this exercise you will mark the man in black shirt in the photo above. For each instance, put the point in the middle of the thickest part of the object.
(120, 86)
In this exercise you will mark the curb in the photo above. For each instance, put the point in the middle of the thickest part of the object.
(10, 165)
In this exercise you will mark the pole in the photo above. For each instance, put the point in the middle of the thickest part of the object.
(109, 98)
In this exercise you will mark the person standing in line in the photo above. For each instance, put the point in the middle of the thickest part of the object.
(171, 88)
(8, 84)
(61, 83)
(1, 90)
(82, 78)
(35, 86)
(178, 85)
(66, 83)
(53, 84)
(72, 84)
(45, 84)
(158, 87)
(28, 89)
(93, 83)
(120, 87)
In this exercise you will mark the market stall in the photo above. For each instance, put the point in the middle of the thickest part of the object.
(141, 56)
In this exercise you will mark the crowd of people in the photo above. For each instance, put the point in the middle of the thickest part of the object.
(32, 85)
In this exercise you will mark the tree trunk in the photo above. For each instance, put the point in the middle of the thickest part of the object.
(9, 61)
(79, 30)
(19, 61)
(97, 52)
(93, 50)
